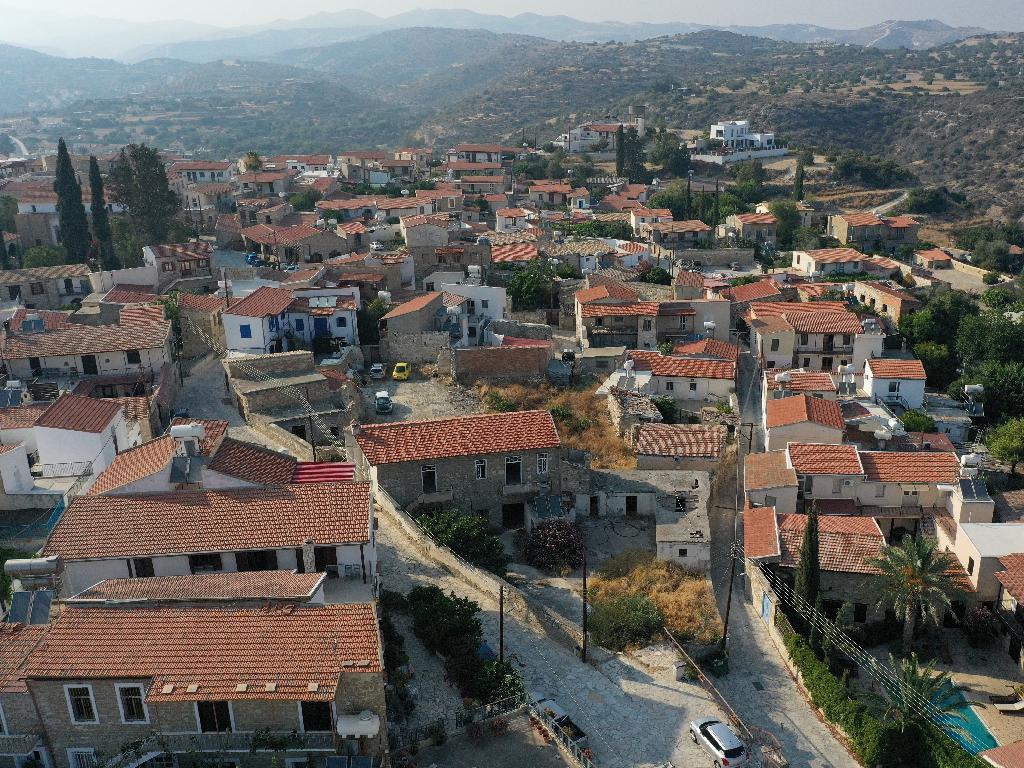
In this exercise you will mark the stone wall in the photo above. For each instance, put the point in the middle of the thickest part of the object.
(494, 364)
(413, 347)
(280, 364)
(198, 330)
(521, 330)
(281, 437)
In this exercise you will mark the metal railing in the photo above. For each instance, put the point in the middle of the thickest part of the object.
(582, 757)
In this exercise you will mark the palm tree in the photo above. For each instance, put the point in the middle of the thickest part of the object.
(915, 582)
(908, 685)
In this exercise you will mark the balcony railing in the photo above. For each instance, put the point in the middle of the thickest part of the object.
(245, 741)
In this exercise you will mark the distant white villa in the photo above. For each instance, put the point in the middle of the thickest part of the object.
(738, 143)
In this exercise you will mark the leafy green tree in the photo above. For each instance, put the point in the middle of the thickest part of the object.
(368, 320)
(555, 169)
(750, 172)
(940, 364)
(532, 287)
(468, 537)
(1006, 442)
(807, 580)
(138, 181)
(74, 227)
(1004, 389)
(788, 218)
(938, 320)
(627, 620)
(806, 239)
(668, 153)
(126, 244)
(8, 210)
(989, 336)
(42, 256)
(100, 217)
(633, 167)
(907, 684)
(798, 180)
(916, 583)
(252, 161)
(565, 270)
(444, 623)
(917, 421)
(305, 200)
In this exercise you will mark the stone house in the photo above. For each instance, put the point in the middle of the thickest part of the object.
(886, 299)
(324, 527)
(46, 287)
(550, 193)
(181, 265)
(202, 323)
(873, 232)
(264, 183)
(206, 679)
(684, 379)
(769, 481)
(430, 231)
(933, 258)
(298, 243)
(492, 465)
(753, 227)
(772, 540)
(675, 235)
(695, 447)
(821, 262)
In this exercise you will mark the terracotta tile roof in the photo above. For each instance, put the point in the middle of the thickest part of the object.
(99, 527)
(215, 431)
(910, 466)
(687, 367)
(617, 289)
(415, 304)
(880, 264)
(484, 433)
(36, 274)
(825, 322)
(888, 290)
(52, 319)
(762, 471)
(1007, 756)
(135, 408)
(634, 309)
(79, 414)
(335, 379)
(922, 441)
(762, 289)
(16, 642)
(684, 440)
(22, 417)
(645, 212)
(273, 235)
(134, 464)
(87, 340)
(801, 381)
(191, 250)
(253, 463)
(844, 543)
(118, 295)
(861, 219)
(679, 227)
(324, 472)
(885, 368)
(200, 302)
(207, 586)
(596, 293)
(835, 255)
(801, 408)
(756, 218)
(933, 254)
(689, 279)
(263, 302)
(722, 350)
(1012, 578)
(237, 653)
(514, 252)
(137, 314)
(556, 187)
(760, 533)
(901, 222)
(821, 459)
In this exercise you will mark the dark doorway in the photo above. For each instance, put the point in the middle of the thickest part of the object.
(1015, 648)
(325, 558)
(89, 365)
(513, 516)
(595, 506)
(299, 430)
(631, 506)
(256, 560)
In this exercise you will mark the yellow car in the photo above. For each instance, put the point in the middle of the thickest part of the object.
(401, 371)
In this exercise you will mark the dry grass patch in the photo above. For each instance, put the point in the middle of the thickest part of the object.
(685, 600)
(580, 415)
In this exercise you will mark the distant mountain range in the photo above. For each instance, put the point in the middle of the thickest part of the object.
(196, 42)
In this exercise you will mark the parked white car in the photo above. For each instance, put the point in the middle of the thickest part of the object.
(720, 741)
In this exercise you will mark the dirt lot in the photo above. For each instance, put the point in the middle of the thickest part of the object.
(420, 398)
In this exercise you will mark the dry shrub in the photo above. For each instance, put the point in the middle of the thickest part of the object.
(580, 415)
(685, 599)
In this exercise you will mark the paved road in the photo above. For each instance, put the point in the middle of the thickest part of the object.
(886, 207)
(635, 717)
(22, 149)
(759, 686)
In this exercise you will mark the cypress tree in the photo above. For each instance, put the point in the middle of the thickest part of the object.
(807, 584)
(74, 227)
(100, 217)
(620, 151)
(798, 181)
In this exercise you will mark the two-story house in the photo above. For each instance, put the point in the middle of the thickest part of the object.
(46, 287)
(324, 527)
(480, 153)
(264, 183)
(673, 235)
(873, 232)
(828, 261)
(275, 682)
(491, 464)
(894, 380)
(258, 323)
(189, 262)
(753, 227)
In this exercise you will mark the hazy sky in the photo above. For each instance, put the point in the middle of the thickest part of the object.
(992, 14)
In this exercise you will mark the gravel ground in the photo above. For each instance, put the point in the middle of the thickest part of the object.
(420, 398)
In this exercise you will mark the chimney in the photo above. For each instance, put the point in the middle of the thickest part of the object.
(308, 557)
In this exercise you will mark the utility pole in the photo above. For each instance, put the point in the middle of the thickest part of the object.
(501, 623)
(733, 554)
(584, 654)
